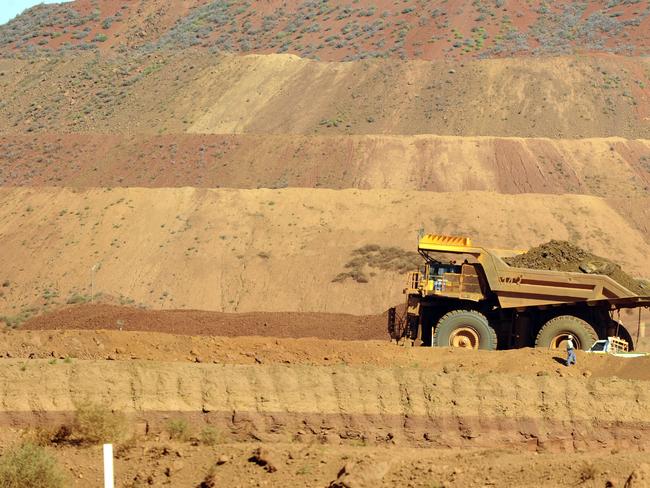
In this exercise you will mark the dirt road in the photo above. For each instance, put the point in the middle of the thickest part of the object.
(252, 349)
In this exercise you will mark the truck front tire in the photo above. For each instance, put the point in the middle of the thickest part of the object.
(466, 329)
(556, 330)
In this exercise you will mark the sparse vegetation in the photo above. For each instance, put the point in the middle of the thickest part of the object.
(178, 429)
(14, 321)
(377, 257)
(356, 31)
(210, 436)
(588, 473)
(77, 298)
(94, 423)
(29, 465)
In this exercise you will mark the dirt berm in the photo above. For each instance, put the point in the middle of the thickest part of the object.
(407, 406)
(565, 256)
(200, 322)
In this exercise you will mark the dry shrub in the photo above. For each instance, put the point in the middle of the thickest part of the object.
(177, 429)
(29, 465)
(39, 436)
(377, 257)
(45, 436)
(96, 424)
(356, 275)
(123, 449)
(210, 436)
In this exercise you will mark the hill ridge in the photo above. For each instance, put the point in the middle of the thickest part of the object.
(335, 30)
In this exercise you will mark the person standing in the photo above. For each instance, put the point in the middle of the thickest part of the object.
(570, 351)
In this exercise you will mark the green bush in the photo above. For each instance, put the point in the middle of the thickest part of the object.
(28, 465)
(17, 320)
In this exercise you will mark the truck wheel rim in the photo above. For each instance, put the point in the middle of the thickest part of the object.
(559, 341)
(464, 337)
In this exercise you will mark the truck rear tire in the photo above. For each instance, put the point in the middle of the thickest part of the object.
(556, 331)
(468, 329)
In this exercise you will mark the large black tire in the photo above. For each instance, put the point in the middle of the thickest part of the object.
(464, 328)
(555, 330)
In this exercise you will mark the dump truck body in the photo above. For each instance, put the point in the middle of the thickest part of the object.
(514, 303)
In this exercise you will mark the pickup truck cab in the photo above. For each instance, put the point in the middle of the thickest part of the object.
(614, 346)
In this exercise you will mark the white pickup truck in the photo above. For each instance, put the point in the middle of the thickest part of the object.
(616, 347)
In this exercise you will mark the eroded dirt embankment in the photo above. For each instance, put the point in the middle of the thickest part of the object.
(409, 406)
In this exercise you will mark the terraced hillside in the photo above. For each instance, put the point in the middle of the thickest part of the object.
(241, 206)
(274, 250)
(115, 156)
(604, 167)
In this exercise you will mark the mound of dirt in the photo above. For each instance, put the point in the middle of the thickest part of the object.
(565, 256)
(198, 322)
(115, 345)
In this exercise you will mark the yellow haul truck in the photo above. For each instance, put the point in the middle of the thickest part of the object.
(468, 296)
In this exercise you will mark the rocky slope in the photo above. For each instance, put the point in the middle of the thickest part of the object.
(564, 97)
(615, 168)
(335, 30)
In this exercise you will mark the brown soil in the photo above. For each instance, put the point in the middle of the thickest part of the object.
(269, 250)
(336, 30)
(565, 256)
(235, 348)
(427, 162)
(197, 322)
(393, 415)
(510, 152)
(302, 463)
(283, 94)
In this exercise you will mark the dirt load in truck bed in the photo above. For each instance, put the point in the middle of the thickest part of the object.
(565, 256)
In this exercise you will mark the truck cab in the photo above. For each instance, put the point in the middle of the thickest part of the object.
(614, 346)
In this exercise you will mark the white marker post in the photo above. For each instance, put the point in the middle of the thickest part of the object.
(109, 481)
